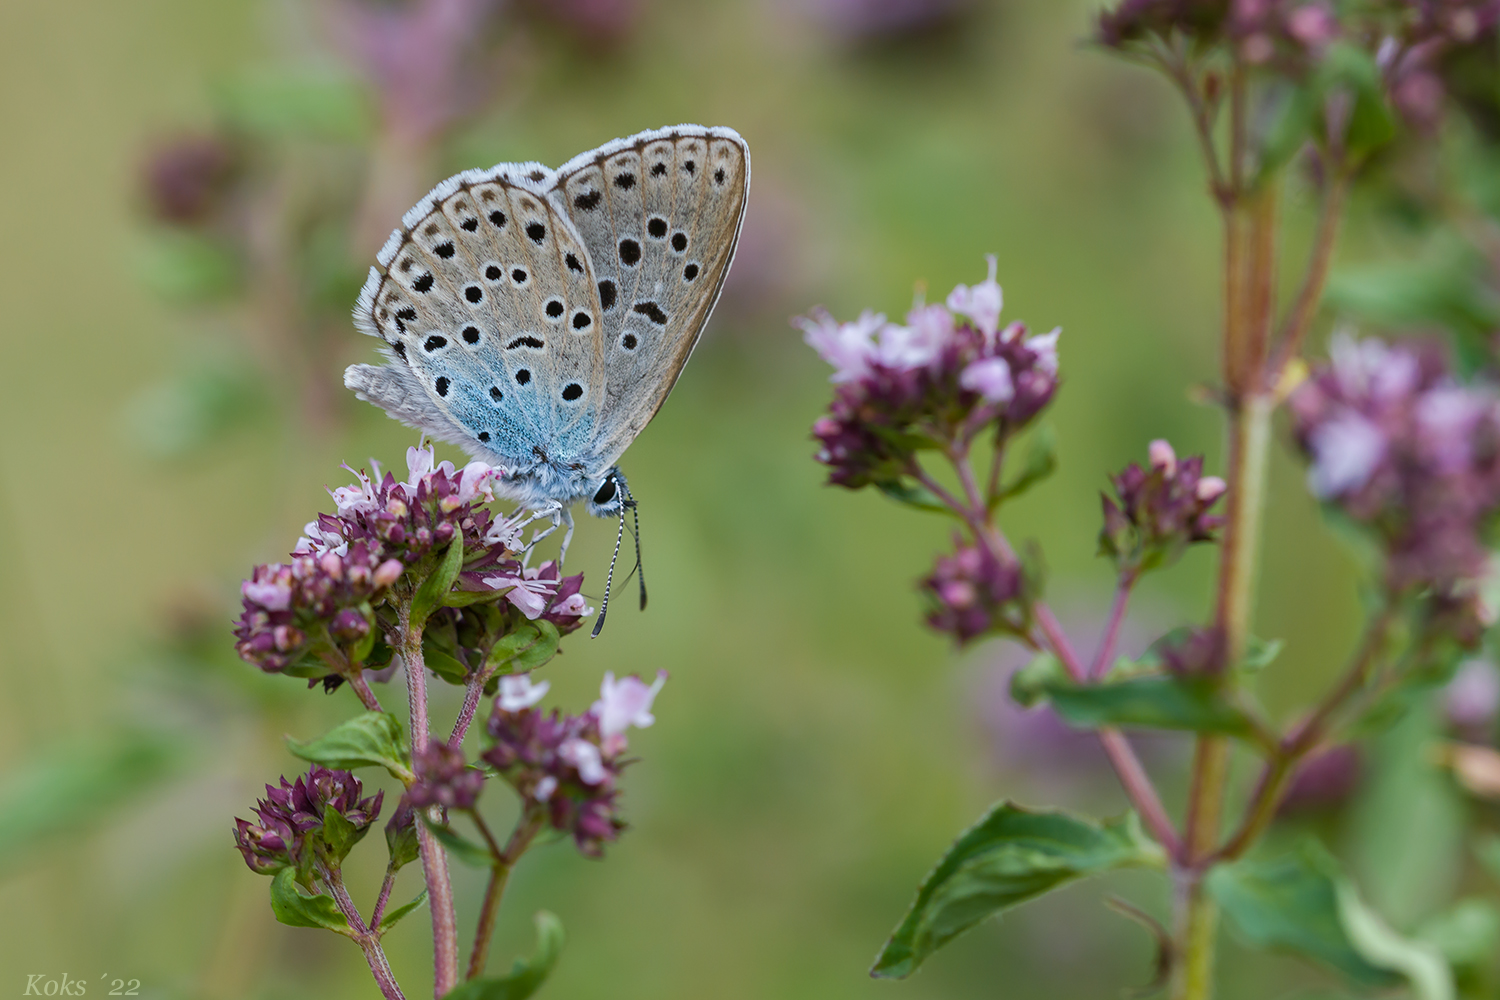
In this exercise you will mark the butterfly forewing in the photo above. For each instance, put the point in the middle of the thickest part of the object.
(660, 214)
(489, 300)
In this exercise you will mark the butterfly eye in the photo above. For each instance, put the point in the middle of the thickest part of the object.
(606, 493)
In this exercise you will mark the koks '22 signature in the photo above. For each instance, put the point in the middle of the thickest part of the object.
(41, 985)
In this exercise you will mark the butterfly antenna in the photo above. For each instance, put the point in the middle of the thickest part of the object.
(635, 512)
(609, 580)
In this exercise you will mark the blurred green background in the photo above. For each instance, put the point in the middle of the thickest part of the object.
(815, 749)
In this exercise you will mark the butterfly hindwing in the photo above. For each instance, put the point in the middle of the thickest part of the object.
(660, 213)
(488, 300)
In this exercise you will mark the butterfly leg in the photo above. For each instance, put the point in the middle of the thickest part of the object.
(562, 552)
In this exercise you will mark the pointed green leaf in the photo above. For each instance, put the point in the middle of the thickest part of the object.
(402, 844)
(443, 664)
(1041, 462)
(1292, 903)
(430, 595)
(1421, 963)
(465, 850)
(914, 496)
(373, 738)
(293, 908)
(1149, 703)
(1260, 653)
(526, 976)
(339, 835)
(1008, 857)
(389, 919)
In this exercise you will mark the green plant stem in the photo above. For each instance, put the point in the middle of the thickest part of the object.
(1305, 738)
(1294, 328)
(368, 940)
(526, 829)
(434, 860)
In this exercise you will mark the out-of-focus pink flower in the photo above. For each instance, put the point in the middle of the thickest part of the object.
(585, 759)
(981, 303)
(625, 703)
(1345, 451)
(517, 692)
(1472, 698)
(990, 377)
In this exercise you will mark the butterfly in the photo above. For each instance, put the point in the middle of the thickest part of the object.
(538, 318)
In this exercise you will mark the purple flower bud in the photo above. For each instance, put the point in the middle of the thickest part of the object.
(349, 626)
(1323, 781)
(187, 180)
(291, 818)
(973, 594)
(444, 778)
(1159, 512)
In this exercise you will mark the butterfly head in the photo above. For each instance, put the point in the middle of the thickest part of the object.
(611, 495)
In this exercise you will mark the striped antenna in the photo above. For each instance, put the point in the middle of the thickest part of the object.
(609, 580)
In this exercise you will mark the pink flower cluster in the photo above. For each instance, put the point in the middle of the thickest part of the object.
(569, 765)
(292, 817)
(314, 614)
(1404, 449)
(1161, 510)
(947, 374)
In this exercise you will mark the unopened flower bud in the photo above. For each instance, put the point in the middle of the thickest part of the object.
(388, 573)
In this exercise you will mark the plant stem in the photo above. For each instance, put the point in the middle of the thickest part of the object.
(473, 689)
(520, 839)
(1305, 738)
(368, 941)
(361, 687)
(434, 860)
(1299, 318)
(384, 897)
(1112, 627)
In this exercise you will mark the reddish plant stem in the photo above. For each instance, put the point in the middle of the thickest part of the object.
(384, 897)
(1132, 775)
(526, 830)
(361, 687)
(1112, 627)
(473, 689)
(368, 940)
(434, 860)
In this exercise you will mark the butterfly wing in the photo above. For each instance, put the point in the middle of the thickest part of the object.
(660, 213)
(489, 311)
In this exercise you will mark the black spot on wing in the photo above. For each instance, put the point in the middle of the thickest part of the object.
(625, 181)
(434, 342)
(497, 218)
(483, 436)
(537, 232)
(606, 294)
(441, 385)
(444, 250)
(588, 201)
(652, 311)
(523, 375)
(496, 394)
(572, 391)
(492, 272)
(554, 308)
(657, 227)
(719, 176)
(474, 294)
(630, 254)
(471, 334)
(470, 224)
(424, 283)
(679, 242)
(573, 264)
(658, 170)
(582, 320)
(524, 341)
(690, 272)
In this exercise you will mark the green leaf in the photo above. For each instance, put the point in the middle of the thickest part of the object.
(465, 850)
(526, 976)
(1465, 934)
(74, 788)
(389, 919)
(1294, 113)
(402, 843)
(466, 598)
(1029, 684)
(294, 909)
(1008, 857)
(1260, 653)
(918, 497)
(1149, 703)
(339, 835)
(1347, 69)
(372, 738)
(1421, 963)
(1292, 904)
(530, 646)
(445, 666)
(435, 588)
(1041, 462)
